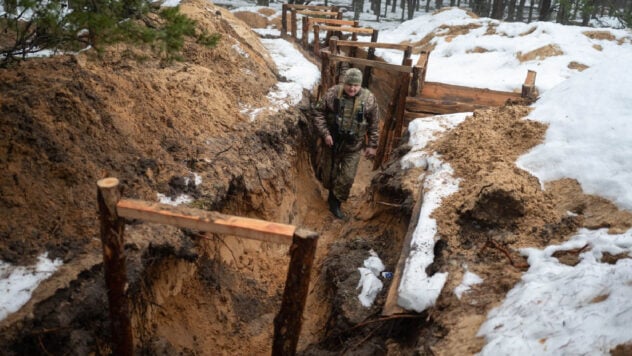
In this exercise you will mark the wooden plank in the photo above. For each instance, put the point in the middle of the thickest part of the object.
(317, 13)
(439, 107)
(373, 45)
(288, 322)
(373, 64)
(113, 241)
(313, 21)
(309, 7)
(457, 93)
(203, 220)
(391, 306)
(364, 30)
(528, 88)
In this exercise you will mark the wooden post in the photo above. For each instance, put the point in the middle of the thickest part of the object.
(293, 21)
(316, 41)
(325, 77)
(287, 324)
(366, 80)
(528, 88)
(305, 32)
(284, 21)
(112, 229)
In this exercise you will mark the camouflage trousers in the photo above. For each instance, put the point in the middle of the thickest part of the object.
(345, 166)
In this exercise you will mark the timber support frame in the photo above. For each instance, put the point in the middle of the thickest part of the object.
(113, 211)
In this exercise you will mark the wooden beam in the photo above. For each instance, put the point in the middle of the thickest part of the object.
(363, 30)
(373, 45)
(203, 220)
(309, 7)
(391, 306)
(112, 239)
(457, 93)
(374, 64)
(439, 107)
(317, 13)
(313, 21)
(287, 324)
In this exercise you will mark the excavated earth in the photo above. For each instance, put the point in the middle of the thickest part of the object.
(188, 127)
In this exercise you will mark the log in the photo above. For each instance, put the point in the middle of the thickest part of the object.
(287, 324)
(210, 221)
(439, 107)
(391, 306)
(373, 45)
(313, 21)
(374, 64)
(528, 88)
(317, 13)
(457, 93)
(112, 239)
(363, 30)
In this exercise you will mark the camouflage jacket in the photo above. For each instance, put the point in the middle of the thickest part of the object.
(342, 116)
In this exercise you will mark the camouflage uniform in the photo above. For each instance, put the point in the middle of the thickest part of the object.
(353, 124)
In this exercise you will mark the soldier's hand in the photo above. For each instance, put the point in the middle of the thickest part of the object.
(369, 152)
(329, 141)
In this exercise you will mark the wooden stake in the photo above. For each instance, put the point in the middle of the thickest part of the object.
(287, 324)
(112, 229)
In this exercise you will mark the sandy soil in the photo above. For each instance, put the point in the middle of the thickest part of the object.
(68, 121)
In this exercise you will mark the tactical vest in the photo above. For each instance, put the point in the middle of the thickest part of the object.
(348, 118)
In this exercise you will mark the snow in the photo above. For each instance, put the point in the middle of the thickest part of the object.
(588, 139)
(469, 279)
(555, 309)
(370, 283)
(17, 283)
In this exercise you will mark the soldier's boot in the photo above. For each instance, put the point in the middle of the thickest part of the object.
(334, 206)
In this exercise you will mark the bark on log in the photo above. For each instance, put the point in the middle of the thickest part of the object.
(112, 230)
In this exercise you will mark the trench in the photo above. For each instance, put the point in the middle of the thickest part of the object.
(212, 294)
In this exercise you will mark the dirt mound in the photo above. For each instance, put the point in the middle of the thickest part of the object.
(71, 120)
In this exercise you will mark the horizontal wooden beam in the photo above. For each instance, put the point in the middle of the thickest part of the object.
(374, 45)
(308, 7)
(313, 20)
(372, 64)
(202, 220)
(439, 107)
(457, 93)
(363, 30)
(317, 13)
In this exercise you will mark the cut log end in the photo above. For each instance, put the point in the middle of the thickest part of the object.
(108, 183)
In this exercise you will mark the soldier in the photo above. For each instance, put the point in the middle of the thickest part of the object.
(347, 120)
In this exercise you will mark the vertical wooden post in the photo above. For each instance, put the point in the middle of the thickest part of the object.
(112, 229)
(293, 21)
(305, 32)
(284, 21)
(287, 324)
(316, 40)
(366, 80)
(325, 77)
(528, 88)
(401, 108)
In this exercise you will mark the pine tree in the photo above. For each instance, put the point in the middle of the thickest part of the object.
(70, 25)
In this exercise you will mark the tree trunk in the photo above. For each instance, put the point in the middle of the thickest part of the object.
(427, 5)
(511, 10)
(438, 4)
(394, 5)
(497, 9)
(545, 10)
(520, 11)
(530, 11)
(411, 9)
(358, 6)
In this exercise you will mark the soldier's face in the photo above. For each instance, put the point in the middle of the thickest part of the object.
(352, 89)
